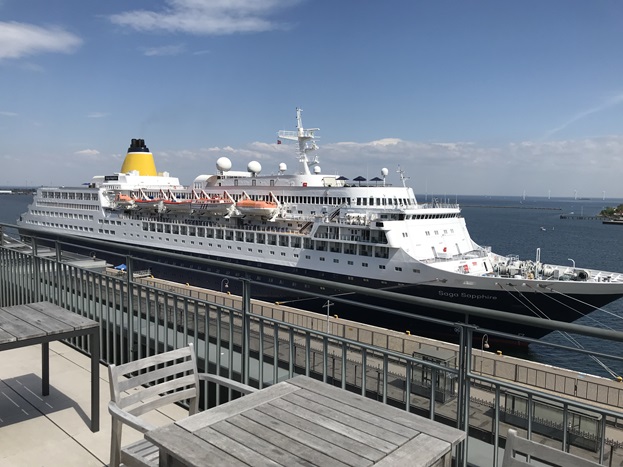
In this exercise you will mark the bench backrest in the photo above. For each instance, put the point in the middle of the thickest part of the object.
(538, 452)
(156, 381)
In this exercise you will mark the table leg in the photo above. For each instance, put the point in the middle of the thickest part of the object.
(95, 380)
(45, 368)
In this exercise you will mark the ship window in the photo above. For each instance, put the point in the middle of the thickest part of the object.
(365, 265)
(321, 259)
(381, 266)
(417, 271)
(398, 268)
(350, 263)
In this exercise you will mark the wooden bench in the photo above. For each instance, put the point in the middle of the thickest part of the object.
(538, 452)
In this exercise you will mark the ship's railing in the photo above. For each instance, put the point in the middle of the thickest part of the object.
(437, 205)
(261, 343)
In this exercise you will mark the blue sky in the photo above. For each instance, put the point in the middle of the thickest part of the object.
(468, 97)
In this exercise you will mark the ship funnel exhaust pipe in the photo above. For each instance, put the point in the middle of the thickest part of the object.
(139, 159)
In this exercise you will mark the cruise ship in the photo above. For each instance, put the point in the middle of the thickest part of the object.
(368, 233)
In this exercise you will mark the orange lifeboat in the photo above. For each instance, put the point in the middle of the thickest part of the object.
(250, 207)
(182, 205)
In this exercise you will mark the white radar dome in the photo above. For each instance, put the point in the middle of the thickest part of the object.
(317, 169)
(283, 167)
(384, 172)
(254, 167)
(223, 164)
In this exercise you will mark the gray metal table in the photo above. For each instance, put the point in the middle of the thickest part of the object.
(305, 422)
(42, 323)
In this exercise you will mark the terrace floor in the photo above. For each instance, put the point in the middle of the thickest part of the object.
(55, 430)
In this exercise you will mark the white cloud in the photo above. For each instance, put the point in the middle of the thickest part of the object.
(610, 102)
(8, 114)
(206, 17)
(88, 152)
(166, 50)
(19, 40)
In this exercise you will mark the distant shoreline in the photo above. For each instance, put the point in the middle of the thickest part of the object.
(17, 191)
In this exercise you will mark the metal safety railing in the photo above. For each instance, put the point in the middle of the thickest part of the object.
(253, 342)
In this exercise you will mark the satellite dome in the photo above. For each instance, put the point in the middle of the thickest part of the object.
(223, 164)
(317, 169)
(283, 167)
(384, 172)
(254, 167)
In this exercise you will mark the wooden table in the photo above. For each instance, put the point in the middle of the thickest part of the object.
(305, 422)
(42, 323)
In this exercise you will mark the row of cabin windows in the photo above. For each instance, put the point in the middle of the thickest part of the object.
(56, 204)
(64, 215)
(69, 195)
(79, 228)
(266, 239)
(317, 200)
(385, 201)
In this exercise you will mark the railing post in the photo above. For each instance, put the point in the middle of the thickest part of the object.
(130, 270)
(246, 331)
(465, 359)
(36, 271)
(57, 266)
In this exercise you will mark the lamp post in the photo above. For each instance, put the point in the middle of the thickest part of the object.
(328, 306)
(483, 345)
(224, 284)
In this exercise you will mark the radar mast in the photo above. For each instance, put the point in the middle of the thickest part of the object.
(306, 140)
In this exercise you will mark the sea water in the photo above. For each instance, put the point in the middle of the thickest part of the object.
(514, 225)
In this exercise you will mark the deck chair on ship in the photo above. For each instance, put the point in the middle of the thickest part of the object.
(149, 384)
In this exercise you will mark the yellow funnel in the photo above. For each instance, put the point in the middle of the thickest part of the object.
(140, 159)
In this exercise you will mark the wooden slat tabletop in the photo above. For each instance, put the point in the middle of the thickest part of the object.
(22, 322)
(305, 422)
(42, 323)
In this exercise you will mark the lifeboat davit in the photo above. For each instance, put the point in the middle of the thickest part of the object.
(125, 202)
(250, 207)
(156, 205)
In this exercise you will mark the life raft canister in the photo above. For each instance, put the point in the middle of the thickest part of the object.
(465, 268)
